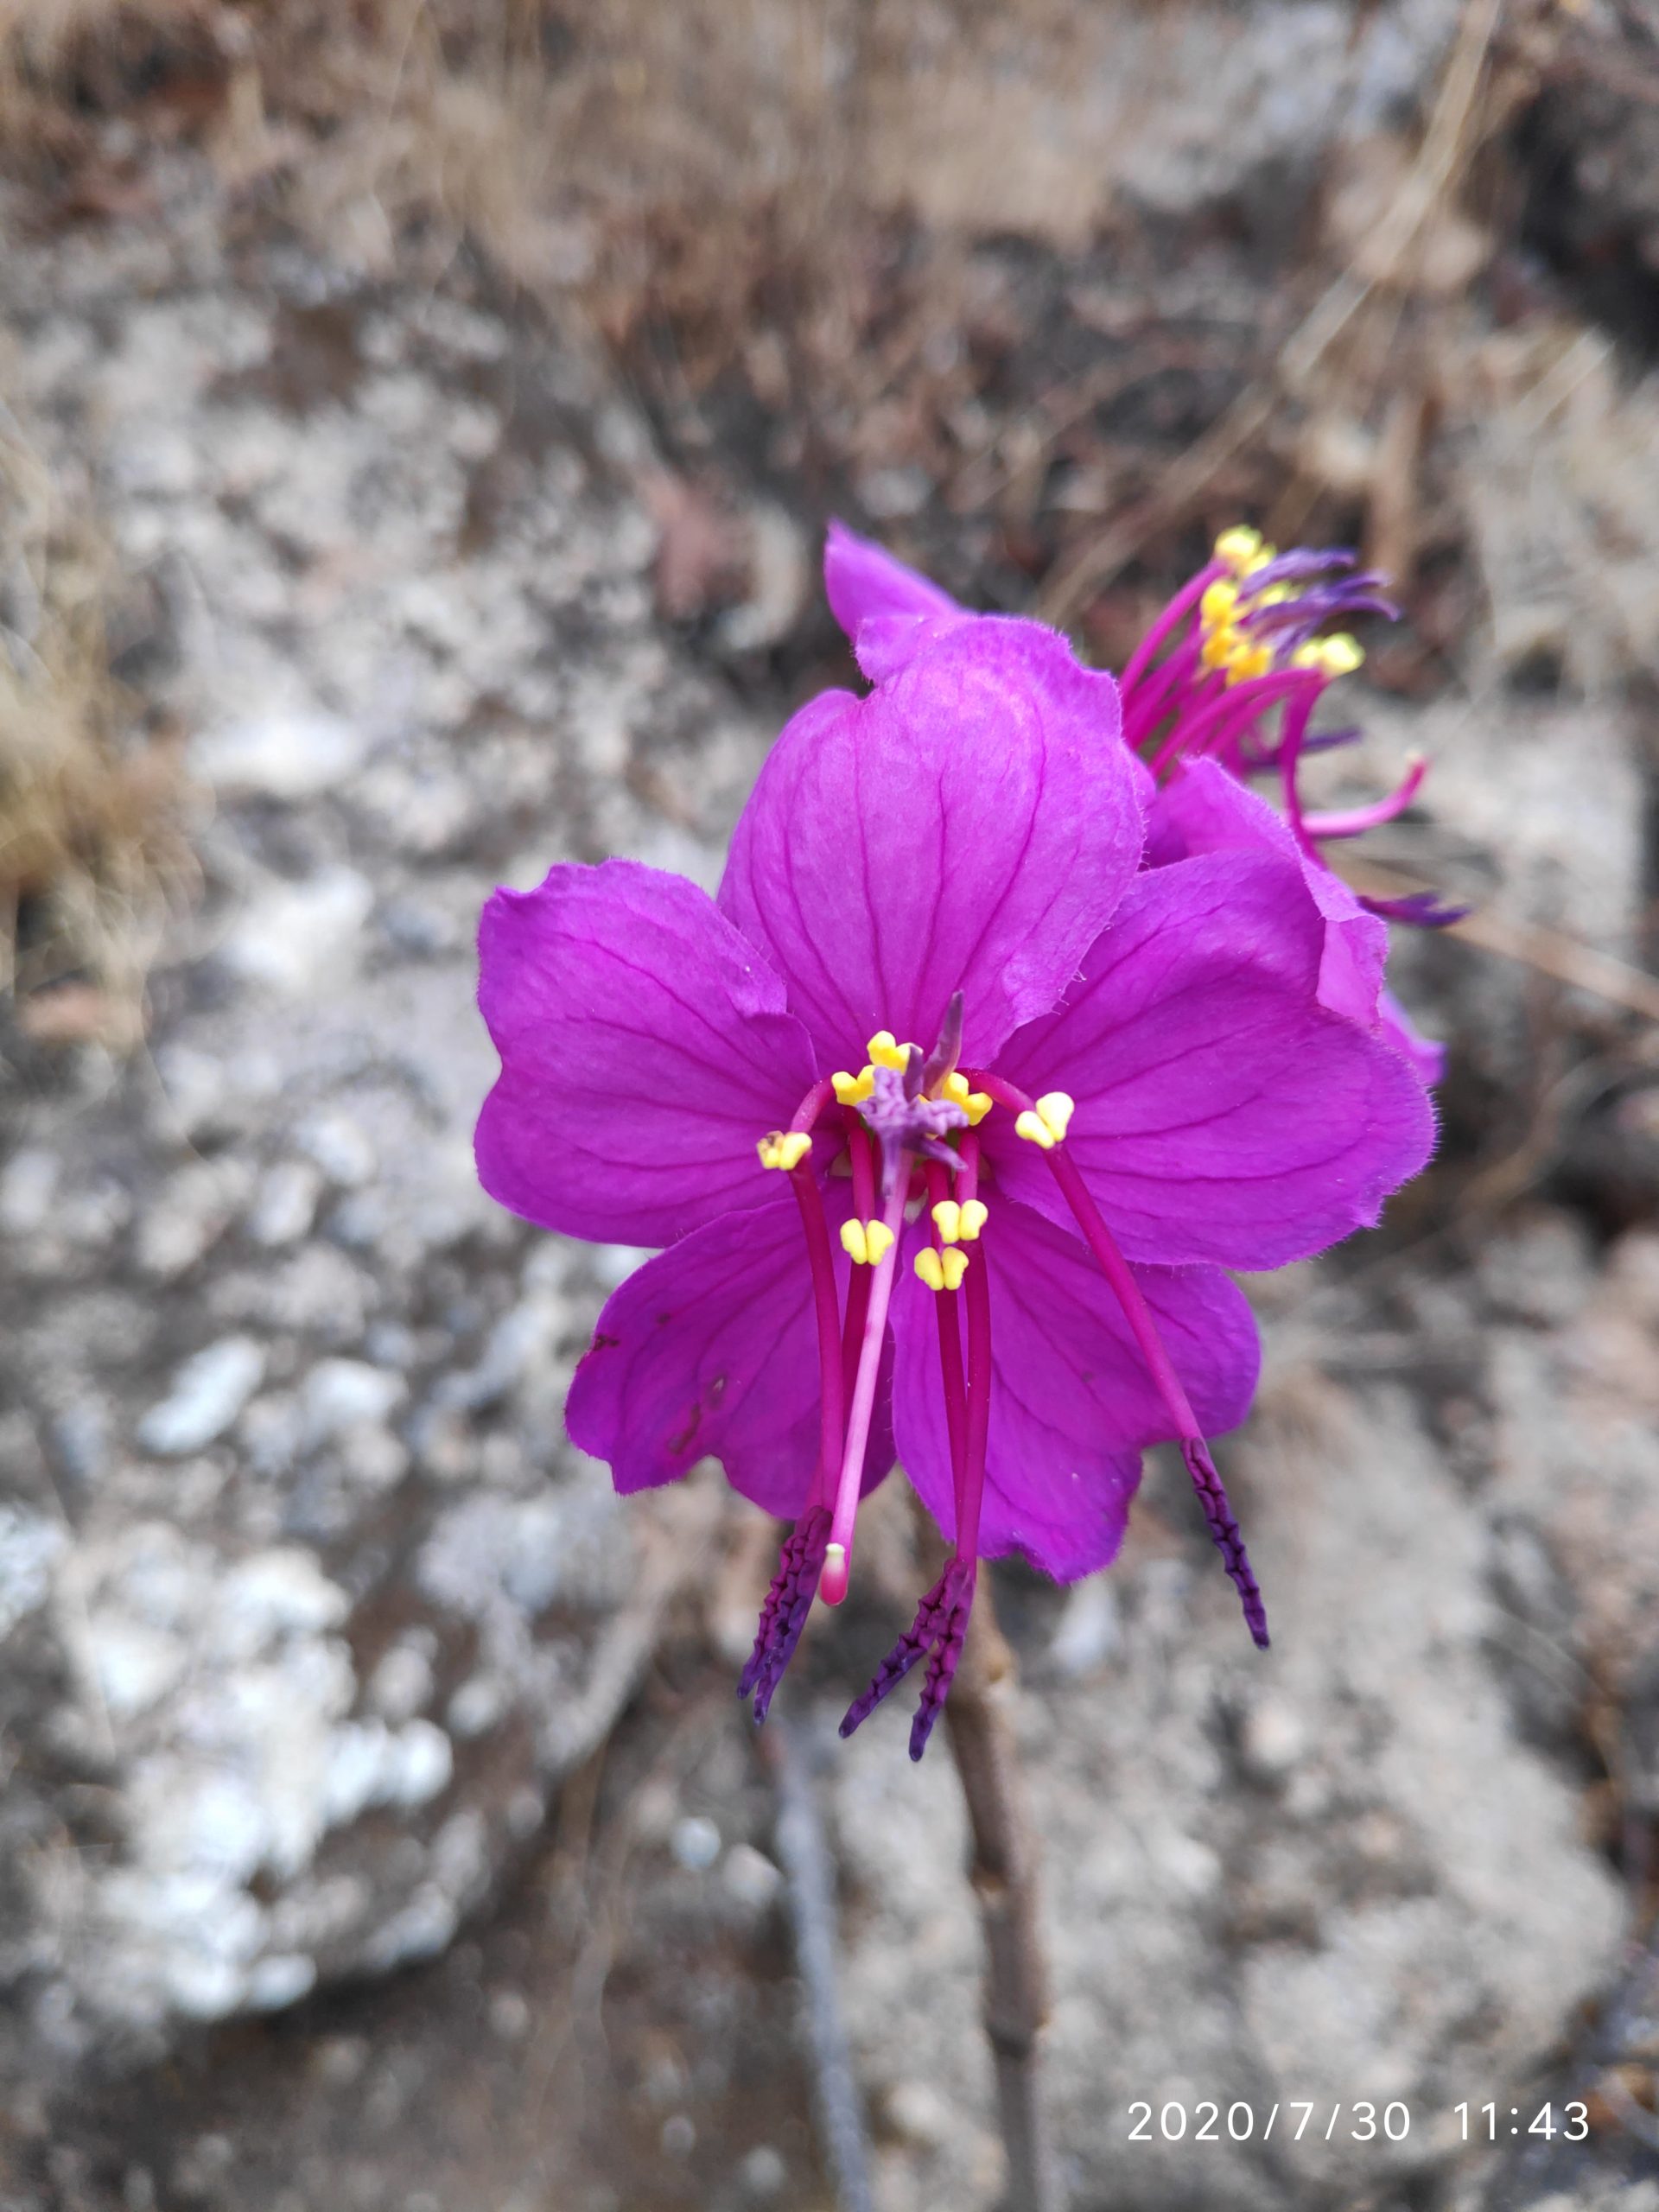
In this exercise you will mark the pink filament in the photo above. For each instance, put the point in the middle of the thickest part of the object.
(833, 1586)
(858, 1290)
(1184, 601)
(938, 1186)
(971, 1483)
(1113, 1265)
(1357, 820)
(1230, 714)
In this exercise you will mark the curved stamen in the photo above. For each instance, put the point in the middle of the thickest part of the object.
(861, 1152)
(1356, 820)
(940, 1628)
(1182, 605)
(950, 1370)
(789, 1600)
(839, 1550)
(1212, 1496)
(1243, 703)
(978, 1286)
(806, 1114)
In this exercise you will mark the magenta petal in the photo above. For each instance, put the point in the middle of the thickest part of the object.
(710, 1350)
(1071, 1404)
(1223, 1114)
(1204, 809)
(1425, 1054)
(970, 825)
(861, 580)
(644, 1048)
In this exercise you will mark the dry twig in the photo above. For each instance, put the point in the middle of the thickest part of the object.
(805, 1855)
(1003, 1871)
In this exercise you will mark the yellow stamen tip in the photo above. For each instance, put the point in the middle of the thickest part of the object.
(930, 1267)
(1056, 1109)
(785, 1148)
(955, 1088)
(854, 1090)
(1239, 548)
(956, 1266)
(886, 1050)
(878, 1241)
(853, 1243)
(1032, 1127)
(974, 1215)
(977, 1105)
(947, 1219)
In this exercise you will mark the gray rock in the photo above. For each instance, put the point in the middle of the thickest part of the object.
(1329, 1873)
(328, 1607)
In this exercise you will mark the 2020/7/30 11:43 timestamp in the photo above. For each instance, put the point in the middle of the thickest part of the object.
(1488, 2123)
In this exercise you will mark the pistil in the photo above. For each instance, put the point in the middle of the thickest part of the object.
(838, 1552)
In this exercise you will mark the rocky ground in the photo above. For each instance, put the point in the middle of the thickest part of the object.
(378, 1829)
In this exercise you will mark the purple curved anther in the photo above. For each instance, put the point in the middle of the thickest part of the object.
(1228, 1537)
(1422, 910)
(787, 1603)
(938, 1634)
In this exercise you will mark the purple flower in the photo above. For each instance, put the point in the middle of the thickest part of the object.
(949, 1114)
(1227, 679)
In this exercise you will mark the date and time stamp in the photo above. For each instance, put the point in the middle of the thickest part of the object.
(1207, 2121)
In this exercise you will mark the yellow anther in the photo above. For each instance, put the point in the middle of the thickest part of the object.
(1056, 1109)
(1216, 607)
(1247, 660)
(783, 1148)
(1337, 655)
(885, 1051)
(1218, 647)
(941, 1270)
(974, 1215)
(1033, 1128)
(1242, 549)
(866, 1242)
(976, 1104)
(854, 1090)
(947, 1219)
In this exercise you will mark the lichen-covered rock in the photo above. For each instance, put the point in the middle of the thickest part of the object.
(304, 1603)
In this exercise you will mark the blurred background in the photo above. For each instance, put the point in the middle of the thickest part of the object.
(417, 423)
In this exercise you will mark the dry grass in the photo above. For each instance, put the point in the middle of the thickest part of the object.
(772, 214)
(90, 843)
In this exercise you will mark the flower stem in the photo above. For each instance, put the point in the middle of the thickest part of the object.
(1003, 1871)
